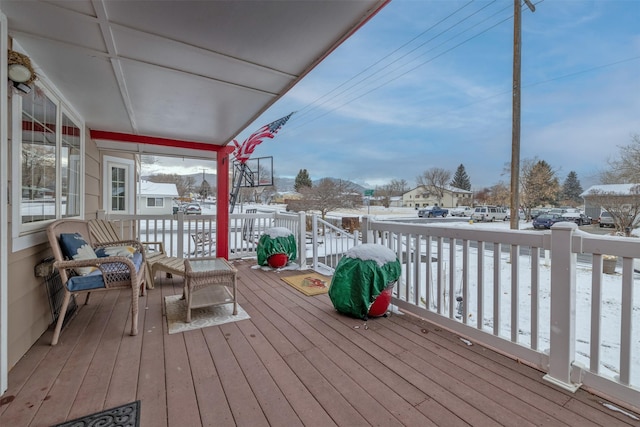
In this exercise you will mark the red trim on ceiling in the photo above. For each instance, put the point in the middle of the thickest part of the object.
(49, 128)
(152, 140)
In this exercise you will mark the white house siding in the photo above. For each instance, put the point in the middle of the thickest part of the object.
(167, 192)
(594, 209)
(421, 197)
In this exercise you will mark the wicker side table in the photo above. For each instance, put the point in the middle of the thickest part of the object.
(209, 282)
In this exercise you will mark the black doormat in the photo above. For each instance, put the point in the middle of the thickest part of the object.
(122, 416)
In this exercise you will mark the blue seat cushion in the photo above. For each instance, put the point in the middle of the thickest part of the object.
(94, 280)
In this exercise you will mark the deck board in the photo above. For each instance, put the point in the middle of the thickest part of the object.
(296, 361)
(91, 392)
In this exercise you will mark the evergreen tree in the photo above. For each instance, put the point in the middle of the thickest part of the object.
(302, 180)
(541, 184)
(205, 189)
(571, 188)
(461, 179)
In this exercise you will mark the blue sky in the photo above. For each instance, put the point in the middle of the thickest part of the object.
(446, 100)
(429, 84)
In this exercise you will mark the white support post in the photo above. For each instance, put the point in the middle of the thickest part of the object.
(314, 240)
(367, 236)
(302, 239)
(4, 211)
(563, 307)
(181, 231)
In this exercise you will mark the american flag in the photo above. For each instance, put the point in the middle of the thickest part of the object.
(243, 151)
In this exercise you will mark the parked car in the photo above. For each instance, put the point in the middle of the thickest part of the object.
(536, 212)
(546, 220)
(489, 213)
(432, 212)
(577, 217)
(193, 209)
(606, 219)
(461, 211)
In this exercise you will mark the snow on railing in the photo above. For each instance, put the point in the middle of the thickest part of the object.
(562, 316)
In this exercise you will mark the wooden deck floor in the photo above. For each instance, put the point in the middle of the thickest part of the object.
(295, 362)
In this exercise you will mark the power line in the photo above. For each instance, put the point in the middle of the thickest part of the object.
(423, 53)
(387, 66)
(508, 92)
(405, 72)
(381, 60)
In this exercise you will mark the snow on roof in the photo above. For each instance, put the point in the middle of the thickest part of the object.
(621, 189)
(148, 188)
(278, 232)
(372, 251)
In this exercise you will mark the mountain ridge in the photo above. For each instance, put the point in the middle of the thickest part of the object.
(283, 185)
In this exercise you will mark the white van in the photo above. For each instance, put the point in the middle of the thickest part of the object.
(489, 213)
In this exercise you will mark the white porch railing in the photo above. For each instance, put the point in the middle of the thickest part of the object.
(524, 309)
(192, 236)
(495, 288)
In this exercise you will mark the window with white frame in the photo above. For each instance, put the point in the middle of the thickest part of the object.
(47, 157)
(118, 185)
(155, 202)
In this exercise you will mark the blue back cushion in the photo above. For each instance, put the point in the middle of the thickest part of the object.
(75, 247)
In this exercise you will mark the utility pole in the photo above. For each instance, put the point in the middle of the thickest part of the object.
(515, 126)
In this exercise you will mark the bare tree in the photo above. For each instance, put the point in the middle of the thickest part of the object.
(397, 187)
(38, 169)
(184, 184)
(482, 196)
(623, 207)
(500, 194)
(328, 195)
(247, 194)
(436, 180)
(267, 194)
(189, 183)
(624, 169)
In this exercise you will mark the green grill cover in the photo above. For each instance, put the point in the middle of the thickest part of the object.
(276, 240)
(360, 276)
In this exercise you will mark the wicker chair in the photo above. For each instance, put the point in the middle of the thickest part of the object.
(113, 272)
(156, 257)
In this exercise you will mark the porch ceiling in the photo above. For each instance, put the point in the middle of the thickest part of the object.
(198, 71)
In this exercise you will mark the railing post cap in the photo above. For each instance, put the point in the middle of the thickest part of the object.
(564, 225)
